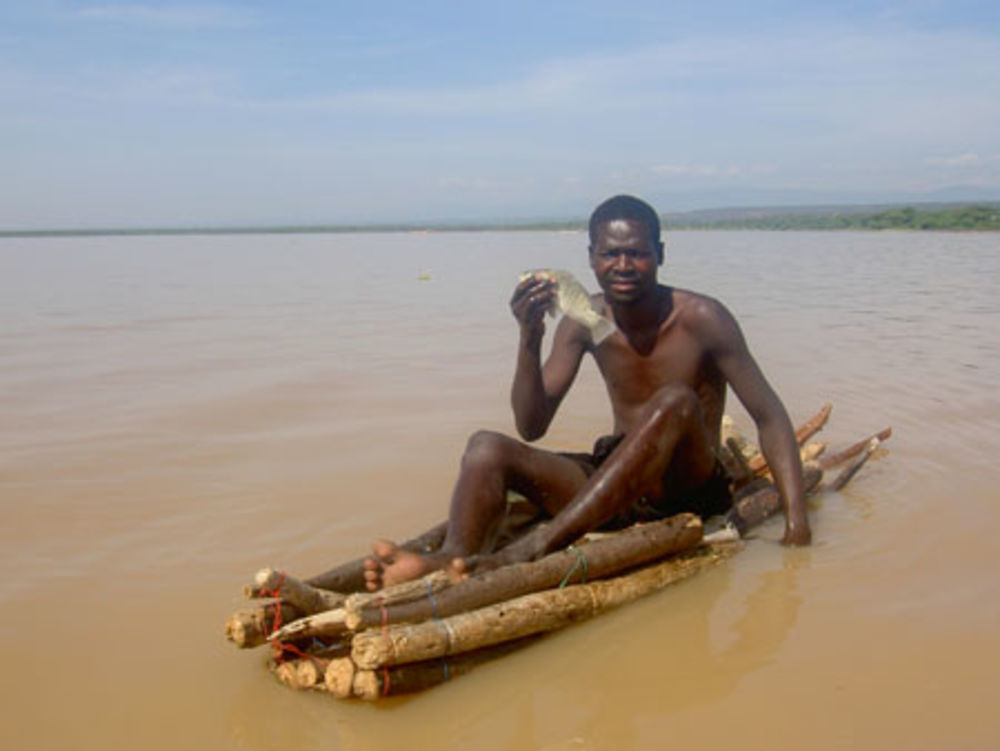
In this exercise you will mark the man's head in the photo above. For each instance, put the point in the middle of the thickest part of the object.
(627, 207)
(625, 249)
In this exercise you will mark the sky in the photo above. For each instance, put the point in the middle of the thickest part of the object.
(262, 113)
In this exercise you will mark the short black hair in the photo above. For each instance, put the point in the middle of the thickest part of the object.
(626, 207)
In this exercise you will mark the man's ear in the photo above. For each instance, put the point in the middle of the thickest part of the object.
(660, 245)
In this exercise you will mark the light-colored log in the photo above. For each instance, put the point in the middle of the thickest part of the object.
(330, 623)
(529, 614)
(251, 626)
(269, 582)
(310, 672)
(812, 450)
(339, 677)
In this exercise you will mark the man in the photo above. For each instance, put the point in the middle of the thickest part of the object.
(666, 369)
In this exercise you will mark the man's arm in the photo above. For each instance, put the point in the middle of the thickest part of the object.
(537, 391)
(775, 431)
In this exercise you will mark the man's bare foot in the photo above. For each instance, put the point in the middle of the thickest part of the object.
(391, 564)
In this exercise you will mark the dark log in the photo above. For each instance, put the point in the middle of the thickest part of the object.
(753, 509)
(349, 577)
(850, 470)
(269, 582)
(591, 560)
(399, 680)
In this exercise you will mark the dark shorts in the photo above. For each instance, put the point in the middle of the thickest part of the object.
(713, 497)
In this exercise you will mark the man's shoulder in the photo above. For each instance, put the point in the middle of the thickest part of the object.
(695, 309)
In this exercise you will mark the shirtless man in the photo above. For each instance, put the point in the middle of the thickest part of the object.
(666, 371)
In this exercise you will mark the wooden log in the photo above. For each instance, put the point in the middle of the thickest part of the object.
(804, 432)
(814, 424)
(529, 614)
(310, 672)
(339, 677)
(403, 592)
(753, 509)
(250, 627)
(409, 678)
(596, 559)
(812, 451)
(850, 470)
(590, 560)
(832, 460)
(269, 582)
(741, 472)
(349, 577)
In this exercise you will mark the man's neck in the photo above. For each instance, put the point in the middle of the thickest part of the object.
(645, 314)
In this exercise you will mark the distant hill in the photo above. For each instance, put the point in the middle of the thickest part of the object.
(983, 216)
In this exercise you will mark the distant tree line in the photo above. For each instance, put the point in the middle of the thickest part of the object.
(978, 217)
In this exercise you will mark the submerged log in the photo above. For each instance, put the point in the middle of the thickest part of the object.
(529, 614)
(350, 576)
(269, 582)
(851, 469)
(832, 460)
(753, 509)
(250, 627)
(409, 678)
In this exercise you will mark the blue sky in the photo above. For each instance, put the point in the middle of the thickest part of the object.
(137, 114)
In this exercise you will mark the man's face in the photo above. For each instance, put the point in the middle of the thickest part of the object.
(624, 258)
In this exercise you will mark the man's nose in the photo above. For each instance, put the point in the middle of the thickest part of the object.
(623, 262)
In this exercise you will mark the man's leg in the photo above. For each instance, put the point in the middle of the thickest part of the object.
(668, 454)
(491, 465)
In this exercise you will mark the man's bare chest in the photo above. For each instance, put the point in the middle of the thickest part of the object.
(636, 371)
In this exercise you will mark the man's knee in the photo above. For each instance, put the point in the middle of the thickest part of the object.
(675, 400)
(488, 449)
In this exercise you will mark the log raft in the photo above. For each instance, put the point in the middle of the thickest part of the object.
(419, 634)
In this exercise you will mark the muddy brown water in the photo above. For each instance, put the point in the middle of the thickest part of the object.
(179, 411)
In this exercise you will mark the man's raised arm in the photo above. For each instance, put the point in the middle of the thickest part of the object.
(775, 432)
(537, 391)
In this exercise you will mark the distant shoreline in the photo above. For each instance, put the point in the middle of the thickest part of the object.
(969, 217)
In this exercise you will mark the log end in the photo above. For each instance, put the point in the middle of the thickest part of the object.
(243, 630)
(339, 677)
(371, 649)
(367, 685)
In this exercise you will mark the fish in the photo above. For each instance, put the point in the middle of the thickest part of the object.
(573, 300)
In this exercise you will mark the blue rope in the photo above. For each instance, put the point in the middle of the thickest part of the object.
(445, 669)
(579, 563)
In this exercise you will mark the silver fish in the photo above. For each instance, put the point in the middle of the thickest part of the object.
(573, 300)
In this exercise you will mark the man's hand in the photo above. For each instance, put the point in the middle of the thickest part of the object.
(531, 300)
(797, 533)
